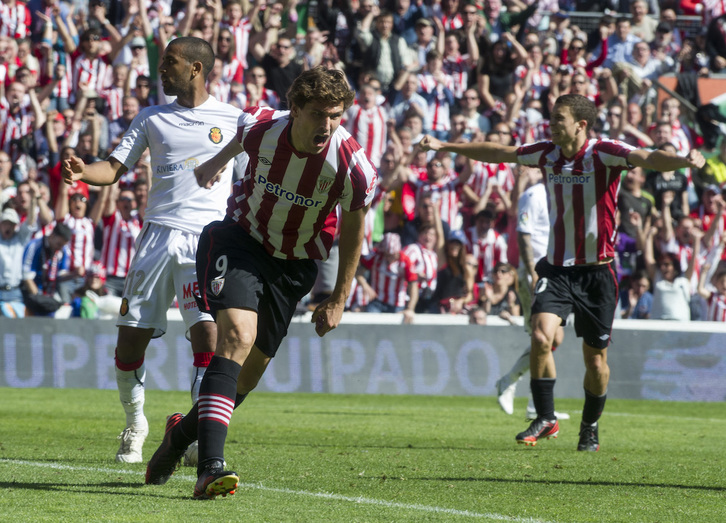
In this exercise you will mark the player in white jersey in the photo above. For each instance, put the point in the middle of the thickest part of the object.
(582, 177)
(533, 229)
(259, 262)
(180, 136)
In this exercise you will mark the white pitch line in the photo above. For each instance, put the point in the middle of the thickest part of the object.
(324, 495)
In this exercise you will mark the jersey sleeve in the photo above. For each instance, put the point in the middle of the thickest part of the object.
(531, 154)
(134, 142)
(614, 153)
(361, 178)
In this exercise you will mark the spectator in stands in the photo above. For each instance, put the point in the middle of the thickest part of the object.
(500, 21)
(405, 15)
(30, 205)
(710, 214)
(714, 293)
(279, 63)
(714, 172)
(620, 44)
(674, 182)
(392, 278)
(632, 200)
(486, 244)
(475, 121)
(117, 128)
(19, 119)
(142, 92)
(460, 66)
(672, 288)
(495, 76)
(46, 263)
(426, 213)
(425, 254)
(642, 25)
(435, 86)
(396, 56)
(121, 226)
(404, 98)
(636, 301)
(71, 208)
(367, 123)
(13, 239)
(499, 296)
(455, 280)
(87, 299)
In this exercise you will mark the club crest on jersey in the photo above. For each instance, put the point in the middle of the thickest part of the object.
(215, 134)
(124, 310)
(324, 184)
(216, 285)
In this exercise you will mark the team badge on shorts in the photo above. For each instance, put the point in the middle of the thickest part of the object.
(217, 285)
(124, 310)
(215, 135)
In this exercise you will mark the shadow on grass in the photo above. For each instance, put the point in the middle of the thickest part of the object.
(566, 482)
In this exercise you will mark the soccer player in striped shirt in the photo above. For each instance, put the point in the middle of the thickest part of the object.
(582, 177)
(256, 264)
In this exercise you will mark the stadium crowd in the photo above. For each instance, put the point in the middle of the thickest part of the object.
(441, 233)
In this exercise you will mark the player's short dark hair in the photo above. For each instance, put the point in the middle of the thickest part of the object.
(195, 49)
(580, 107)
(321, 85)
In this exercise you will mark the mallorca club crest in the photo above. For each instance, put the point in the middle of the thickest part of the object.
(124, 310)
(324, 184)
(215, 135)
(216, 285)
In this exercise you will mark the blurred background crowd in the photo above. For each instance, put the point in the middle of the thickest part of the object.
(442, 231)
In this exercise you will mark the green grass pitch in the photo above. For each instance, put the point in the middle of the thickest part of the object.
(332, 458)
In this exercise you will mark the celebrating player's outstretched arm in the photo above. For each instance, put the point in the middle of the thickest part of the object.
(98, 173)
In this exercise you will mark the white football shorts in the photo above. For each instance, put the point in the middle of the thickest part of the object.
(164, 266)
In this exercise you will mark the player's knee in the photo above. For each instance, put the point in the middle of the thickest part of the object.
(238, 338)
(541, 341)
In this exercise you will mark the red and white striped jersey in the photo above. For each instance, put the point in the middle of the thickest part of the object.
(368, 127)
(14, 126)
(114, 102)
(81, 244)
(458, 68)
(489, 249)
(287, 199)
(444, 194)
(233, 71)
(438, 115)
(390, 280)
(241, 34)
(451, 23)
(583, 195)
(96, 72)
(712, 9)
(483, 173)
(425, 265)
(220, 90)
(63, 89)
(15, 21)
(119, 238)
(541, 80)
(716, 307)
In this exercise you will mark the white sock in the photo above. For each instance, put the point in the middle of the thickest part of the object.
(131, 393)
(197, 375)
(519, 368)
